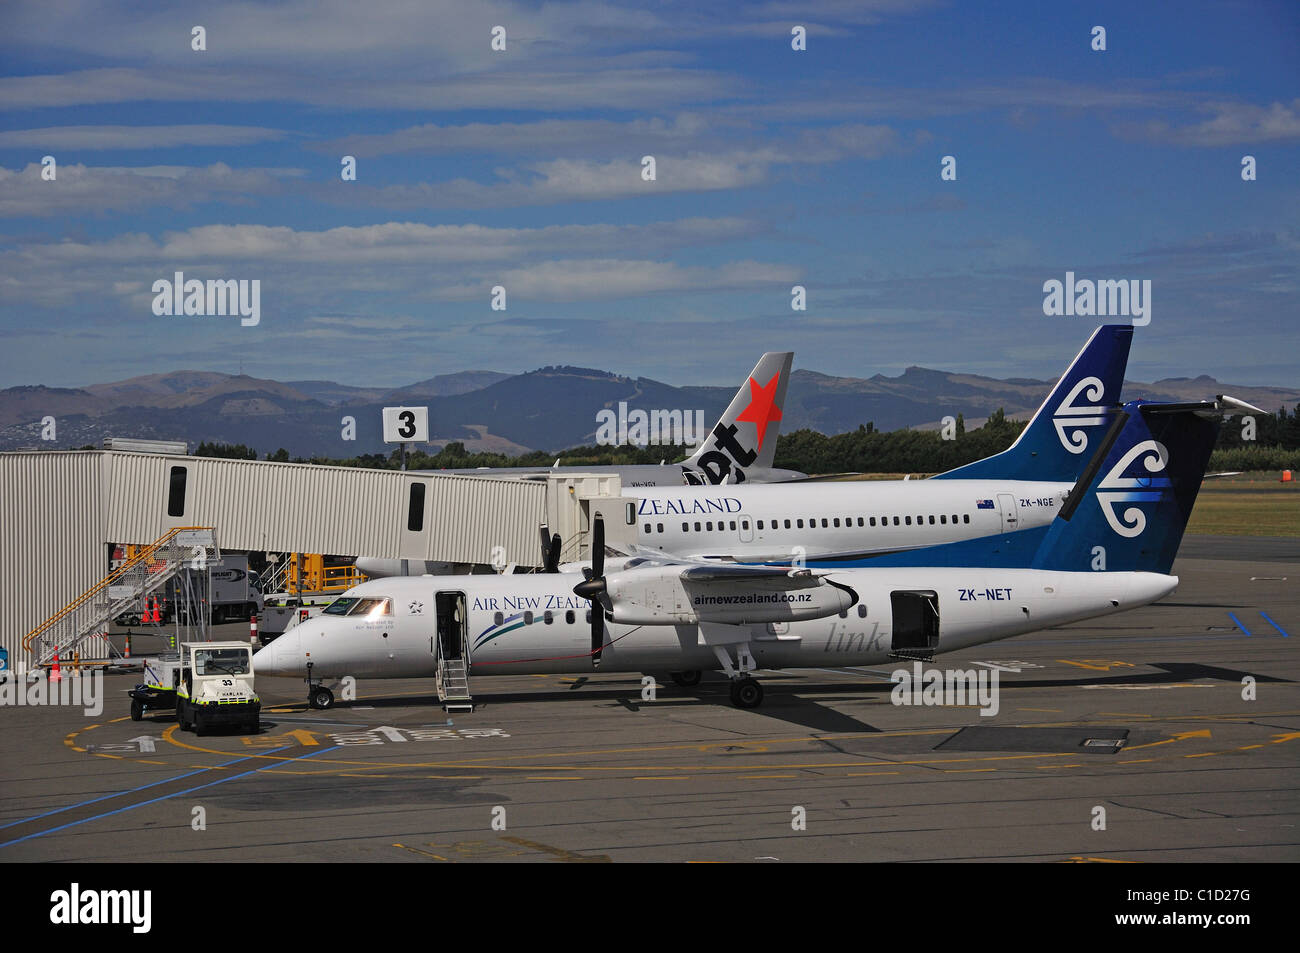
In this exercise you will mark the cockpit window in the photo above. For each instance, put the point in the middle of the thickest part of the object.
(371, 608)
(352, 606)
(340, 606)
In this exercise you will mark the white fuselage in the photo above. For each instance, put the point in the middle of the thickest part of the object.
(868, 516)
(506, 629)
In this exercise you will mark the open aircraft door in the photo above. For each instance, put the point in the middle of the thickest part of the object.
(916, 623)
(450, 642)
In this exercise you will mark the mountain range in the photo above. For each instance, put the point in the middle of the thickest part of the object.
(547, 409)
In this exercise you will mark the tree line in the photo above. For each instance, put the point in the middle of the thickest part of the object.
(866, 450)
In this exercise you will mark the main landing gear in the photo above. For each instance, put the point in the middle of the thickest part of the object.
(686, 679)
(746, 692)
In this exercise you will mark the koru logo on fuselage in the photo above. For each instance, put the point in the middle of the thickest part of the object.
(1117, 488)
(1070, 419)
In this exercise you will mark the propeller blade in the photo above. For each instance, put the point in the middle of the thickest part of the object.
(545, 532)
(598, 547)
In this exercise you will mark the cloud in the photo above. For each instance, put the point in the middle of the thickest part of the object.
(92, 138)
(1231, 124)
(589, 279)
(80, 189)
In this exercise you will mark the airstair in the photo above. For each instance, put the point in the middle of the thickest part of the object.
(125, 588)
(453, 685)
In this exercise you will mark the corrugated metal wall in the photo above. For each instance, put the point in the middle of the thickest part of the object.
(59, 510)
(51, 538)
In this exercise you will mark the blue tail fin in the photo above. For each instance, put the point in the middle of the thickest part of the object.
(1129, 510)
(1055, 444)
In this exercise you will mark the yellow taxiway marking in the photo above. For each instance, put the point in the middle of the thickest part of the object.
(426, 853)
(1095, 664)
(1097, 860)
(767, 777)
(1180, 736)
(654, 777)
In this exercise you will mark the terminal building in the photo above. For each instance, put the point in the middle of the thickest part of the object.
(63, 513)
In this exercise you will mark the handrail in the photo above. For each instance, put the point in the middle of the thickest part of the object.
(144, 555)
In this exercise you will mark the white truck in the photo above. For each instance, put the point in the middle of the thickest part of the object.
(210, 684)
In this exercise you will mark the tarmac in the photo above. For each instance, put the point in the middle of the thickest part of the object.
(1168, 733)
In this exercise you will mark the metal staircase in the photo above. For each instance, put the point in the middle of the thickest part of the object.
(453, 685)
(126, 587)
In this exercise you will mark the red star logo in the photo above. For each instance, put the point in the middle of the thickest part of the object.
(762, 409)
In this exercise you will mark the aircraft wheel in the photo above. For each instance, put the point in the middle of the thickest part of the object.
(687, 679)
(321, 698)
(137, 709)
(746, 693)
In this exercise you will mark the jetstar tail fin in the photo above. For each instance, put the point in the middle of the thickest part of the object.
(745, 437)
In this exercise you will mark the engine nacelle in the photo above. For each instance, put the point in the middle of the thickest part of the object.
(665, 598)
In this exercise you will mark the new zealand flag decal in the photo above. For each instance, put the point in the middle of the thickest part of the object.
(983, 504)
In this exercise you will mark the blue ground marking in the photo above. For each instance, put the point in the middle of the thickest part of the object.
(1239, 625)
(1274, 624)
(200, 787)
(143, 787)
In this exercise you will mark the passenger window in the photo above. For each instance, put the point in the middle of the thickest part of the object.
(844, 613)
(760, 524)
(837, 522)
(943, 519)
(873, 521)
(825, 524)
(686, 527)
(954, 519)
(697, 527)
(661, 527)
(787, 524)
(931, 520)
(909, 520)
(862, 611)
(709, 526)
(528, 617)
(861, 522)
(800, 522)
(965, 517)
(896, 521)
(588, 615)
(647, 527)
(569, 617)
(498, 618)
(548, 617)
(744, 524)
(733, 524)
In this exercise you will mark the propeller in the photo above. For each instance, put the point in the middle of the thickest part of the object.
(550, 550)
(593, 588)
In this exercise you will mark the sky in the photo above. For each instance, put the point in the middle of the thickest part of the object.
(523, 169)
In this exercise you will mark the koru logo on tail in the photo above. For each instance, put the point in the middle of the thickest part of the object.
(1116, 488)
(1071, 419)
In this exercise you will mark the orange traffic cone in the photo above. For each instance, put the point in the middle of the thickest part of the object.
(55, 674)
(128, 644)
(1286, 476)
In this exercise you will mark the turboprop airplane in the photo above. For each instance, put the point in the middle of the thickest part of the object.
(1109, 548)
(740, 448)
